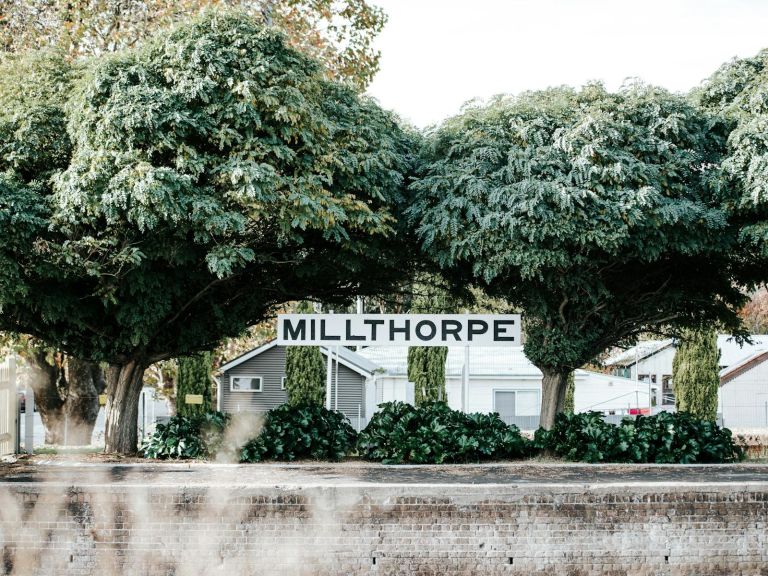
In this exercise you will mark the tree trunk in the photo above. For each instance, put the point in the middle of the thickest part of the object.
(44, 381)
(68, 405)
(124, 384)
(82, 403)
(554, 384)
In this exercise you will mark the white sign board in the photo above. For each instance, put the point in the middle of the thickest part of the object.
(398, 329)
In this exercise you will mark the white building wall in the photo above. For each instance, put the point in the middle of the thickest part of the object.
(593, 392)
(606, 393)
(656, 366)
(744, 400)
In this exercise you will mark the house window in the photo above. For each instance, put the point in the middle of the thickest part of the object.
(282, 382)
(512, 403)
(245, 383)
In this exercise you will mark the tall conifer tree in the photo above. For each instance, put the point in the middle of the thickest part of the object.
(305, 375)
(695, 374)
(194, 377)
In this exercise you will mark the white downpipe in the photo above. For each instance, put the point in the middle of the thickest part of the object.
(465, 382)
(29, 419)
(328, 379)
(336, 391)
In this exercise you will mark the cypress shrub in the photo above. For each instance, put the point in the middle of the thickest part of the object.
(305, 375)
(194, 377)
(570, 391)
(695, 374)
(426, 369)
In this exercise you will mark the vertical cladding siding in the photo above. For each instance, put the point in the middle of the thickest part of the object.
(744, 400)
(351, 392)
(270, 365)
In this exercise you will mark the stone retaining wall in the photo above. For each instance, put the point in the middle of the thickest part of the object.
(384, 530)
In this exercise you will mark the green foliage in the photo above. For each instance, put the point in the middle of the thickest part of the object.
(738, 93)
(212, 158)
(569, 394)
(696, 374)
(301, 431)
(183, 437)
(34, 142)
(664, 439)
(434, 434)
(554, 200)
(209, 176)
(426, 369)
(194, 377)
(306, 375)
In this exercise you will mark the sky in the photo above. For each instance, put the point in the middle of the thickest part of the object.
(438, 54)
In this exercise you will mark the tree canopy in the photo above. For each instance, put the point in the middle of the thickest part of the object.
(738, 93)
(602, 215)
(211, 175)
(338, 33)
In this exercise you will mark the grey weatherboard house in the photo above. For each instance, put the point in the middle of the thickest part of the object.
(254, 382)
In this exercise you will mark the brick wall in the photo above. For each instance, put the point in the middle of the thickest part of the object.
(381, 530)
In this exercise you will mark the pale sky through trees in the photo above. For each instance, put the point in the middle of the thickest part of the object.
(437, 54)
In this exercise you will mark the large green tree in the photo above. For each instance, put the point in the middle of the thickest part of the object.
(340, 33)
(202, 181)
(602, 215)
(33, 145)
(695, 373)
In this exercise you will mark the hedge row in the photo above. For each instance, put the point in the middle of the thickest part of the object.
(400, 433)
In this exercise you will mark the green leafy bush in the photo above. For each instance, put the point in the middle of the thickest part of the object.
(664, 438)
(186, 436)
(434, 434)
(303, 431)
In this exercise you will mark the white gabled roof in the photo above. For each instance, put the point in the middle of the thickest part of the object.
(483, 361)
(742, 366)
(731, 351)
(347, 358)
(641, 351)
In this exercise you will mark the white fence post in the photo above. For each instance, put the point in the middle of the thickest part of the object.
(29, 419)
(9, 407)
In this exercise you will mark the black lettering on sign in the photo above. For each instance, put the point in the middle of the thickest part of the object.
(431, 328)
(499, 328)
(295, 333)
(452, 327)
(351, 336)
(406, 330)
(374, 324)
(323, 335)
(476, 327)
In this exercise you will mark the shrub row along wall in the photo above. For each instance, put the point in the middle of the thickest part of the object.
(427, 530)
